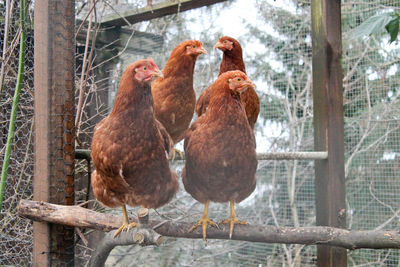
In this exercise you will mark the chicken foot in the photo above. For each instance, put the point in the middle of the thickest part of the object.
(204, 221)
(176, 151)
(232, 220)
(125, 225)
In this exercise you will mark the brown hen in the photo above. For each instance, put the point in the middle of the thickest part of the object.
(220, 149)
(174, 97)
(232, 60)
(129, 148)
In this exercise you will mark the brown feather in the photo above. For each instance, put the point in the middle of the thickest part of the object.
(128, 150)
(220, 148)
(174, 96)
(233, 60)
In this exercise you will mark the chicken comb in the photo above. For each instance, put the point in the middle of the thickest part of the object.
(151, 61)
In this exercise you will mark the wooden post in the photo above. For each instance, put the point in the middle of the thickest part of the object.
(328, 124)
(54, 126)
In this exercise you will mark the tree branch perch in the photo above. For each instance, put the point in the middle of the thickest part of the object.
(140, 236)
(313, 235)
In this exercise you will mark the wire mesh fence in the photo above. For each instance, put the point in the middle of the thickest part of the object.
(371, 98)
(284, 194)
(15, 232)
(276, 40)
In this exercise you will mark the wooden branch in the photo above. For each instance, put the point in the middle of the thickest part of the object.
(140, 236)
(143, 216)
(313, 235)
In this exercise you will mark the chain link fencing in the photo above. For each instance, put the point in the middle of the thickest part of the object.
(276, 40)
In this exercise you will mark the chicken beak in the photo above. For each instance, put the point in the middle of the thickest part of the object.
(247, 84)
(252, 85)
(201, 50)
(218, 45)
(158, 73)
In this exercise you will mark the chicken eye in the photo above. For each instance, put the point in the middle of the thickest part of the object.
(239, 79)
(225, 42)
(144, 68)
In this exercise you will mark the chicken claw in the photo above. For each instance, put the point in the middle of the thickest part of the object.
(125, 225)
(232, 220)
(204, 221)
(174, 151)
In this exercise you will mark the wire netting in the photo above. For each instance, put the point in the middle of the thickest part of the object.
(371, 101)
(15, 232)
(276, 40)
(285, 189)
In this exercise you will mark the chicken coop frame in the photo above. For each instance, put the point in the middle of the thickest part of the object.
(55, 112)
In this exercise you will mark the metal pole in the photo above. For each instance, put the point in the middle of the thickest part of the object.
(312, 155)
(307, 155)
(328, 124)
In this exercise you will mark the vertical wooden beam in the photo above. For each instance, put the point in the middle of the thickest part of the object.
(54, 126)
(328, 124)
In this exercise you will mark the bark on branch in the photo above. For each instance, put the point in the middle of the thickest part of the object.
(140, 236)
(81, 217)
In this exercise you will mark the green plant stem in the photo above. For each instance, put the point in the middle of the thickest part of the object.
(14, 109)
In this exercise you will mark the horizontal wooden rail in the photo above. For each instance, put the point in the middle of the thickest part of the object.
(155, 11)
(312, 235)
(319, 155)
